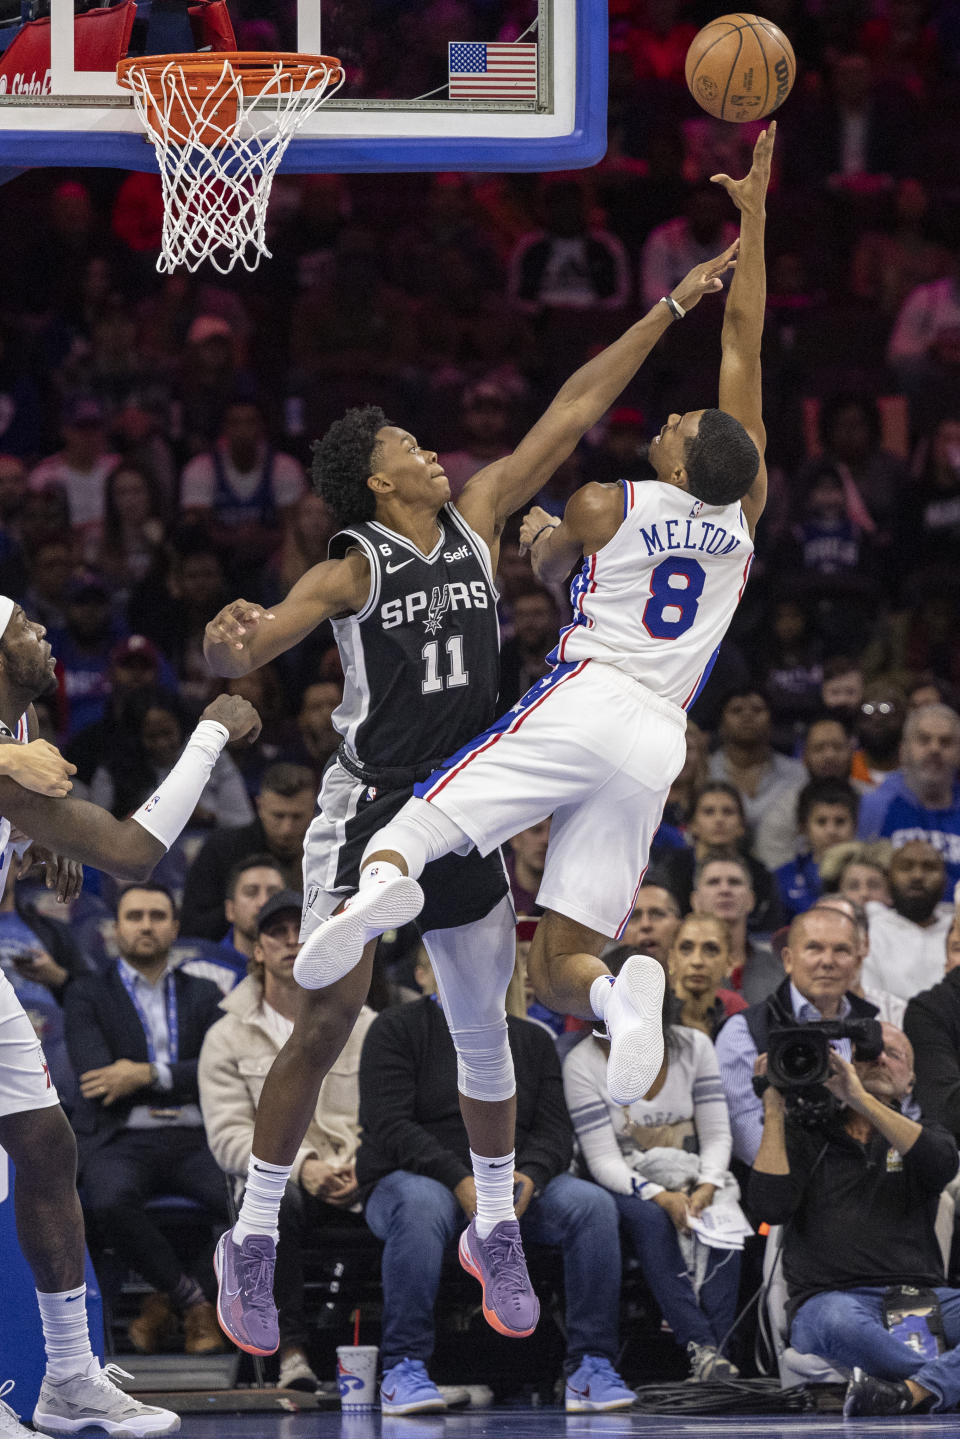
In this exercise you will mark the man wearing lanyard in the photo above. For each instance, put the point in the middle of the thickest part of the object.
(134, 1036)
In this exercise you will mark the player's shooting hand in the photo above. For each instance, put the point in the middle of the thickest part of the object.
(37, 766)
(705, 278)
(749, 194)
(236, 624)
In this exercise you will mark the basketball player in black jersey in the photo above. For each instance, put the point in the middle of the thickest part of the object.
(410, 590)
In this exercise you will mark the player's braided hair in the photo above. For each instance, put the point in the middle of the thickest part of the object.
(721, 460)
(343, 462)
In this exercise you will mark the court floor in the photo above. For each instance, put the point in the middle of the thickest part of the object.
(539, 1423)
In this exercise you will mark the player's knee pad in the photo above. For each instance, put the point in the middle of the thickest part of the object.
(484, 1062)
(421, 833)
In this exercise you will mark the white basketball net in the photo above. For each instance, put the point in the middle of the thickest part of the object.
(216, 191)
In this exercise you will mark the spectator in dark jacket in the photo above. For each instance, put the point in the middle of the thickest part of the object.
(134, 1036)
(932, 1024)
(414, 1164)
(285, 806)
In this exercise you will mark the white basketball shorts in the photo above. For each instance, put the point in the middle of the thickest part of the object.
(25, 1081)
(598, 751)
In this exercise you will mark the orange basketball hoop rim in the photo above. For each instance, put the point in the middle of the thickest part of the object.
(178, 89)
(221, 122)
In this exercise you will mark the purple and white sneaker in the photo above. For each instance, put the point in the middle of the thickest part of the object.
(245, 1306)
(509, 1303)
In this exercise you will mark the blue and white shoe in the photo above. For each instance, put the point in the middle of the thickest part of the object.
(408, 1389)
(595, 1387)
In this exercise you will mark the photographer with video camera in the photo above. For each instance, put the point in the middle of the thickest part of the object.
(857, 1193)
(821, 960)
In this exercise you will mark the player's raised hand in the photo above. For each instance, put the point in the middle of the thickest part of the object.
(705, 278)
(236, 624)
(750, 193)
(236, 715)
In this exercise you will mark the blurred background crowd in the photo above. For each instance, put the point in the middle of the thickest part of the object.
(155, 439)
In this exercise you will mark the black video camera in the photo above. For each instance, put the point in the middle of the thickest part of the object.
(798, 1055)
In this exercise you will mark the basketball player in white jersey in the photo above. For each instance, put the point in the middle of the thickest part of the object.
(34, 1131)
(598, 742)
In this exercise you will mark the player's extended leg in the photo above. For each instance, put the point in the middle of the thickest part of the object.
(473, 965)
(246, 1255)
(568, 976)
(75, 1392)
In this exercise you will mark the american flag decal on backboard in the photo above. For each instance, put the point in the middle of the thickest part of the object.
(481, 71)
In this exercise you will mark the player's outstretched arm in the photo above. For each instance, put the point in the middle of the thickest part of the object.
(244, 635)
(740, 387)
(492, 495)
(591, 518)
(130, 848)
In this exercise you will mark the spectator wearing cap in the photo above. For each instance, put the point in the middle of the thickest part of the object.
(485, 432)
(81, 468)
(83, 649)
(921, 800)
(237, 1054)
(285, 806)
(242, 488)
(135, 665)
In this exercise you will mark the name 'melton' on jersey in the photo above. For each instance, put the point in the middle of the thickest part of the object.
(421, 660)
(657, 599)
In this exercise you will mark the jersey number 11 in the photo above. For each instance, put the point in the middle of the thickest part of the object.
(433, 681)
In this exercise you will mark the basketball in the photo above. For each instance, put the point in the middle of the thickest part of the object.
(740, 67)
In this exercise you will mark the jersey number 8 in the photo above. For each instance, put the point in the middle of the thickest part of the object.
(675, 589)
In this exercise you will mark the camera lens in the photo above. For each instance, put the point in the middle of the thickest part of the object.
(801, 1061)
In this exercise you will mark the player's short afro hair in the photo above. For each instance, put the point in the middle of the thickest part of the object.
(344, 460)
(721, 460)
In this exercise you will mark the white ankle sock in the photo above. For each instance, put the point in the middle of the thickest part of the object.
(260, 1210)
(600, 994)
(494, 1180)
(66, 1337)
(380, 873)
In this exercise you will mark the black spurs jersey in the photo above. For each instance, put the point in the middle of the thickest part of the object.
(421, 660)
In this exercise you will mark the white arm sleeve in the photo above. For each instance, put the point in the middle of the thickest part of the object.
(169, 808)
(710, 1115)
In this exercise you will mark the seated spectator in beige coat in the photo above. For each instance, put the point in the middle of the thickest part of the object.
(236, 1057)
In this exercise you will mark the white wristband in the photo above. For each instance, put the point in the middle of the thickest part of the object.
(167, 811)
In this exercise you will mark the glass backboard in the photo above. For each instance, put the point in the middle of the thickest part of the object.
(430, 84)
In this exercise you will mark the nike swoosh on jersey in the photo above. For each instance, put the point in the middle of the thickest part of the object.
(392, 569)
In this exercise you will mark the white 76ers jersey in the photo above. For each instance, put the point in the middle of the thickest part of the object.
(6, 848)
(657, 599)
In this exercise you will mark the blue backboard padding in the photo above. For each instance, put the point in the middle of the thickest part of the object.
(584, 145)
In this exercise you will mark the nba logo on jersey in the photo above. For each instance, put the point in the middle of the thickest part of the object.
(372, 792)
(697, 507)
